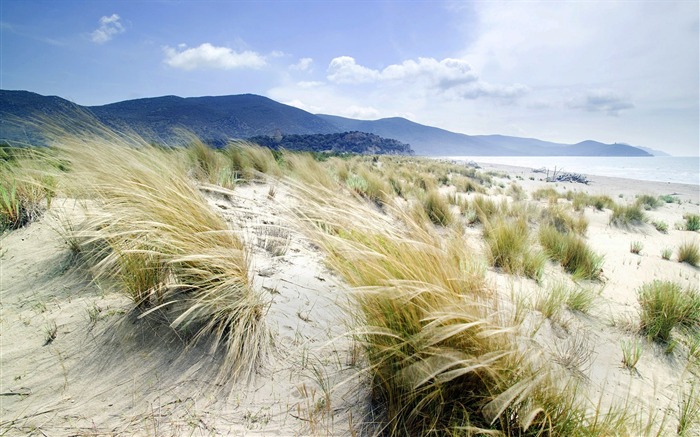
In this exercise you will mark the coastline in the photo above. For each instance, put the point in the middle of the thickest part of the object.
(601, 185)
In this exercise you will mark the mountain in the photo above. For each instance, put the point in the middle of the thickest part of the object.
(23, 117)
(427, 140)
(210, 118)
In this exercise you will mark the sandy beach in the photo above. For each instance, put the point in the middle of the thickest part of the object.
(79, 359)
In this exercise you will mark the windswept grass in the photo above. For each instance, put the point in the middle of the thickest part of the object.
(25, 190)
(664, 306)
(510, 248)
(625, 216)
(692, 222)
(169, 251)
(437, 208)
(442, 357)
(571, 252)
(559, 217)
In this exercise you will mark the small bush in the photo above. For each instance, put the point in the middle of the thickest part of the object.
(666, 253)
(664, 305)
(689, 252)
(692, 222)
(669, 199)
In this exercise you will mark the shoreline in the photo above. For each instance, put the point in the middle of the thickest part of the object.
(603, 185)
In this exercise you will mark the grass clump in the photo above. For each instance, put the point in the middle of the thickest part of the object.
(636, 247)
(631, 353)
(692, 222)
(648, 202)
(625, 216)
(437, 208)
(509, 247)
(664, 305)
(660, 226)
(558, 216)
(571, 252)
(666, 254)
(169, 251)
(26, 191)
(689, 252)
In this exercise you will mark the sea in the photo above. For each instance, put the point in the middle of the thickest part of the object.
(677, 169)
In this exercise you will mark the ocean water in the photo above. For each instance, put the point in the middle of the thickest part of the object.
(685, 170)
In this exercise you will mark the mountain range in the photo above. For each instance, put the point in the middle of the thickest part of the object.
(218, 119)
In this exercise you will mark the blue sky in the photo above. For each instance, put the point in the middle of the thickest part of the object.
(559, 71)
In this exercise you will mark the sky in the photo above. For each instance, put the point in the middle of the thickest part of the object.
(562, 71)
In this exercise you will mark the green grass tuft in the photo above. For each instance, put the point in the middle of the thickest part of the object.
(664, 305)
(689, 252)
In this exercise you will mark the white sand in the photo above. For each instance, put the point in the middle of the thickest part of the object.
(118, 375)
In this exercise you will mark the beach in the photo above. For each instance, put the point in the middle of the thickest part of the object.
(79, 359)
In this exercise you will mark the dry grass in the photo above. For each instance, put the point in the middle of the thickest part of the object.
(572, 252)
(172, 254)
(443, 358)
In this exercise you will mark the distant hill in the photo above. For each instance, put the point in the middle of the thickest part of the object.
(219, 119)
(210, 118)
(346, 142)
(427, 140)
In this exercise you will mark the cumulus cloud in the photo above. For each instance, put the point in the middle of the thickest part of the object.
(109, 28)
(207, 56)
(304, 64)
(602, 100)
(443, 74)
(452, 77)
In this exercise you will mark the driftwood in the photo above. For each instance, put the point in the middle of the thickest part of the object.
(559, 176)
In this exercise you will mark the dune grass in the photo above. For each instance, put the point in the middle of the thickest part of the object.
(689, 252)
(509, 247)
(626, 216)
(437, 208)
(572, 252)
(665, 306)
(27, 187)
(443, 358)
(692, 222)
(166, 248)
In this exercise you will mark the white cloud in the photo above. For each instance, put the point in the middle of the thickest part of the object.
(207, 56)
(109, 27)
(361, 112)
(606, 100)
(310, 84)
(304, 64)
(443, 74)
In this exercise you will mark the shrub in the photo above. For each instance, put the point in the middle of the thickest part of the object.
(689, 252)
(664, 305)
(692, 222)
(669, 199)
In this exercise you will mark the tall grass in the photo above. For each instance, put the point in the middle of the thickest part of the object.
(170, 252)
(26, 189)
(664, 306)
(437, 209)
(689, 252)
(571, 252)
(442, 357)
(625, 216)
(509, 247)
